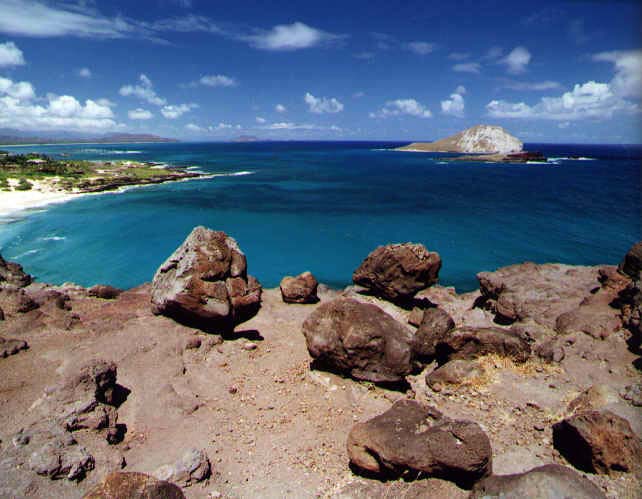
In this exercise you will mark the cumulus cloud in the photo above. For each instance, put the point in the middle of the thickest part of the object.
(320, 105)
(260, 120)
(84, 73)
(588, 100)
(19, 110)
(467, 67)
(293, 36)
(144, 90)
(400, 107)
(534, 86)
(455, 105)
(215, 81)
(628, 71)
(421, 48)
(10, 55)
(517, 60)
(286, 125)
(280, 108)
(140, 114)
(174, 111)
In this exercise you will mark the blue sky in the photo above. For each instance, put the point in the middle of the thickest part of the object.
(195, 69)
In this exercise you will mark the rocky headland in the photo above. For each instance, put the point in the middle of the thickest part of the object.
(203, 384)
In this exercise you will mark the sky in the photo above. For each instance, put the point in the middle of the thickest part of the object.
(560, 72)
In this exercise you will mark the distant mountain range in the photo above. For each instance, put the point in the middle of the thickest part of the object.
(10, 138)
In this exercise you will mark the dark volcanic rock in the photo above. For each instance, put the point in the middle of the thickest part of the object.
(204, 283)
(456, 372)
(359, 339)
(632, 263)
(434, 326)
(121, 485)
(299, 289)
(11, 346)
(469, 343)
(598, 441)
(550, 481)
(103, 291)
(416, 437)
(397, 271)
(538, 292)
(12, 274)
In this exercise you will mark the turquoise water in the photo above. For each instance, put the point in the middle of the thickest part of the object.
(323, 206)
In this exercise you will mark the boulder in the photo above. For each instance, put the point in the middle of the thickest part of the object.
(11, 346)
(193, 467)
(434, 326)
(204, 283)
(550, 481)
(633, 393)
(360, 339)
(120, 485)
(470, 343)
(103, 291)
(396, 272)
(414, 437)
(12, 274)
(594, 316)
(299, 289)
(598, 442)
(415, 316)
(632, 263)
(454, 373)
(538, 292)
(15, 300)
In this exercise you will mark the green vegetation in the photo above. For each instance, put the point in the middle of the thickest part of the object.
(24, 185)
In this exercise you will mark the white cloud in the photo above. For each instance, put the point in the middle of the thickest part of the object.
(467, 67)
(22, 90)
(280, 108)
(10, 55)
(517, 60)
(455, 105)
(140, 114)
(628, 71)
(62, 112)
(589, 100)
(458, 56)
(260, 120)
(194, 128)
(400, 107)
(84, 73)
(320, 105)
(217, 81)
(421, 48)
(293, 36)
(145, 91)
(286, 125)
(174, 111)
(225, 126)
(564, 124)
(535, 86)
(358, 95)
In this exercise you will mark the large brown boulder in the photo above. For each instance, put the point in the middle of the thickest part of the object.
(128, 485)
(550, 481)
(435, 325)
(632, 263)
(454, 373)
(299, 289)
(538, 292)
(414, 437)
(359, 339)
(397, 271)
(11, 346)
(598, 442)
(204, 283)
(470, 343)
(12, 274)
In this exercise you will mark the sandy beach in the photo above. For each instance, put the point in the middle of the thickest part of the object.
(41, 194)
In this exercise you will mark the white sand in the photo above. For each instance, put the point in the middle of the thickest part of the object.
(41, 194)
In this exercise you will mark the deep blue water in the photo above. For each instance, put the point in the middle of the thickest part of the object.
(323, 206)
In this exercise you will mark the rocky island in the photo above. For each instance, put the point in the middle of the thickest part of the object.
(480, 143)
(202, 384)
(30, 180)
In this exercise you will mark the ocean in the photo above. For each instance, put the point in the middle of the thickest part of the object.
(323, 206)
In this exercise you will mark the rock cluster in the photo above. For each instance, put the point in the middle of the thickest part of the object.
(204, 283)
(397, 271)
(119, 485)
(193, 467)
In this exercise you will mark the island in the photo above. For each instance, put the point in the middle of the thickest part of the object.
(32, 180)
(487, 143)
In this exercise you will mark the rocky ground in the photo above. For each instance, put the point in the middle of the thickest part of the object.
(92, 381)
